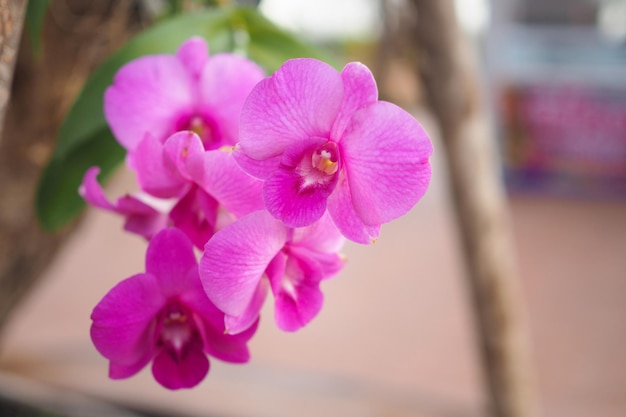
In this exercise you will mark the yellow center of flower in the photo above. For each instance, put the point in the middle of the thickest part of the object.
(325, 159)
(197, 126)
(175, 317)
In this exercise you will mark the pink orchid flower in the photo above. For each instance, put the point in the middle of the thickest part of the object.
(164, 94)
(163, 316)
(208, 188)
(321, 141)
(256, 253)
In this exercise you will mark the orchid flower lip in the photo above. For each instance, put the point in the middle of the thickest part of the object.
(177, 328)
(319, 167)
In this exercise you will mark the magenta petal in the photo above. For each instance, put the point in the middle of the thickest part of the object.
(226, 81)
(292, 313)
(276, 269)
(385, 155)
(217, 173)
(328, 264)
(237, 324)
(230, 347)
(236, 257)
(193, 53)
(345, 217)
(359, 90)
(259, 169)
(217, 341)
(196, 214)
(140, 217)
(91, 191)
(123, 321)
(157, 175)
(169, 258)
(145, 224)
(148, 95)
(196, 300)
(209, 321)
(298, 298)
(293, 205)
(175, 372)
(296, 192)
(301, 100)
(321, 236)
(179, 148)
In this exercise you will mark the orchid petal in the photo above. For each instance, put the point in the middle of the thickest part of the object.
(169, 258)
(237, 324)
(193, 53)
(196, 300)
(157, 175)
(91, 191)
(181, 146)
(226, 81)
(218, 342)
(298, 298)
(146, 225)
(230, 347)
(186, 371)
(276, 268)
(359, 90)
(236, 257)
(321, 236)
(345, 217)
(93, 194)
(209, 321)
(288, 201)
(120, 371)
(259, 169)
(301, 100)
(217, 173)
(196, 214)
(385, 152)
(123, 321)
(141, 219)
(328, 264)
(148, 95)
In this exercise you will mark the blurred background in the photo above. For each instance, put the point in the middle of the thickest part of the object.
(397, 335)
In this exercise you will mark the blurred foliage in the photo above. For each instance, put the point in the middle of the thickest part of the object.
(35, 13)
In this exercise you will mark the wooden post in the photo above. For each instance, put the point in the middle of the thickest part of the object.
(12, 14)
(452, 89)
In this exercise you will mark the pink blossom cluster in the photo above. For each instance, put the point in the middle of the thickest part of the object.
(265, 176)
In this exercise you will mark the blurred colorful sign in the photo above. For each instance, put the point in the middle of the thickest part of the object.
(564, 139)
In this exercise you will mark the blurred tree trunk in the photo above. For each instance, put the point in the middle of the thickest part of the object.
(77, 35)
(443, 61)
(11, 21)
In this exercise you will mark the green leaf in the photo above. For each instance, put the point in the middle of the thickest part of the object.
(57, 193)
(234, 29)
(35, 13)
(269, 45)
